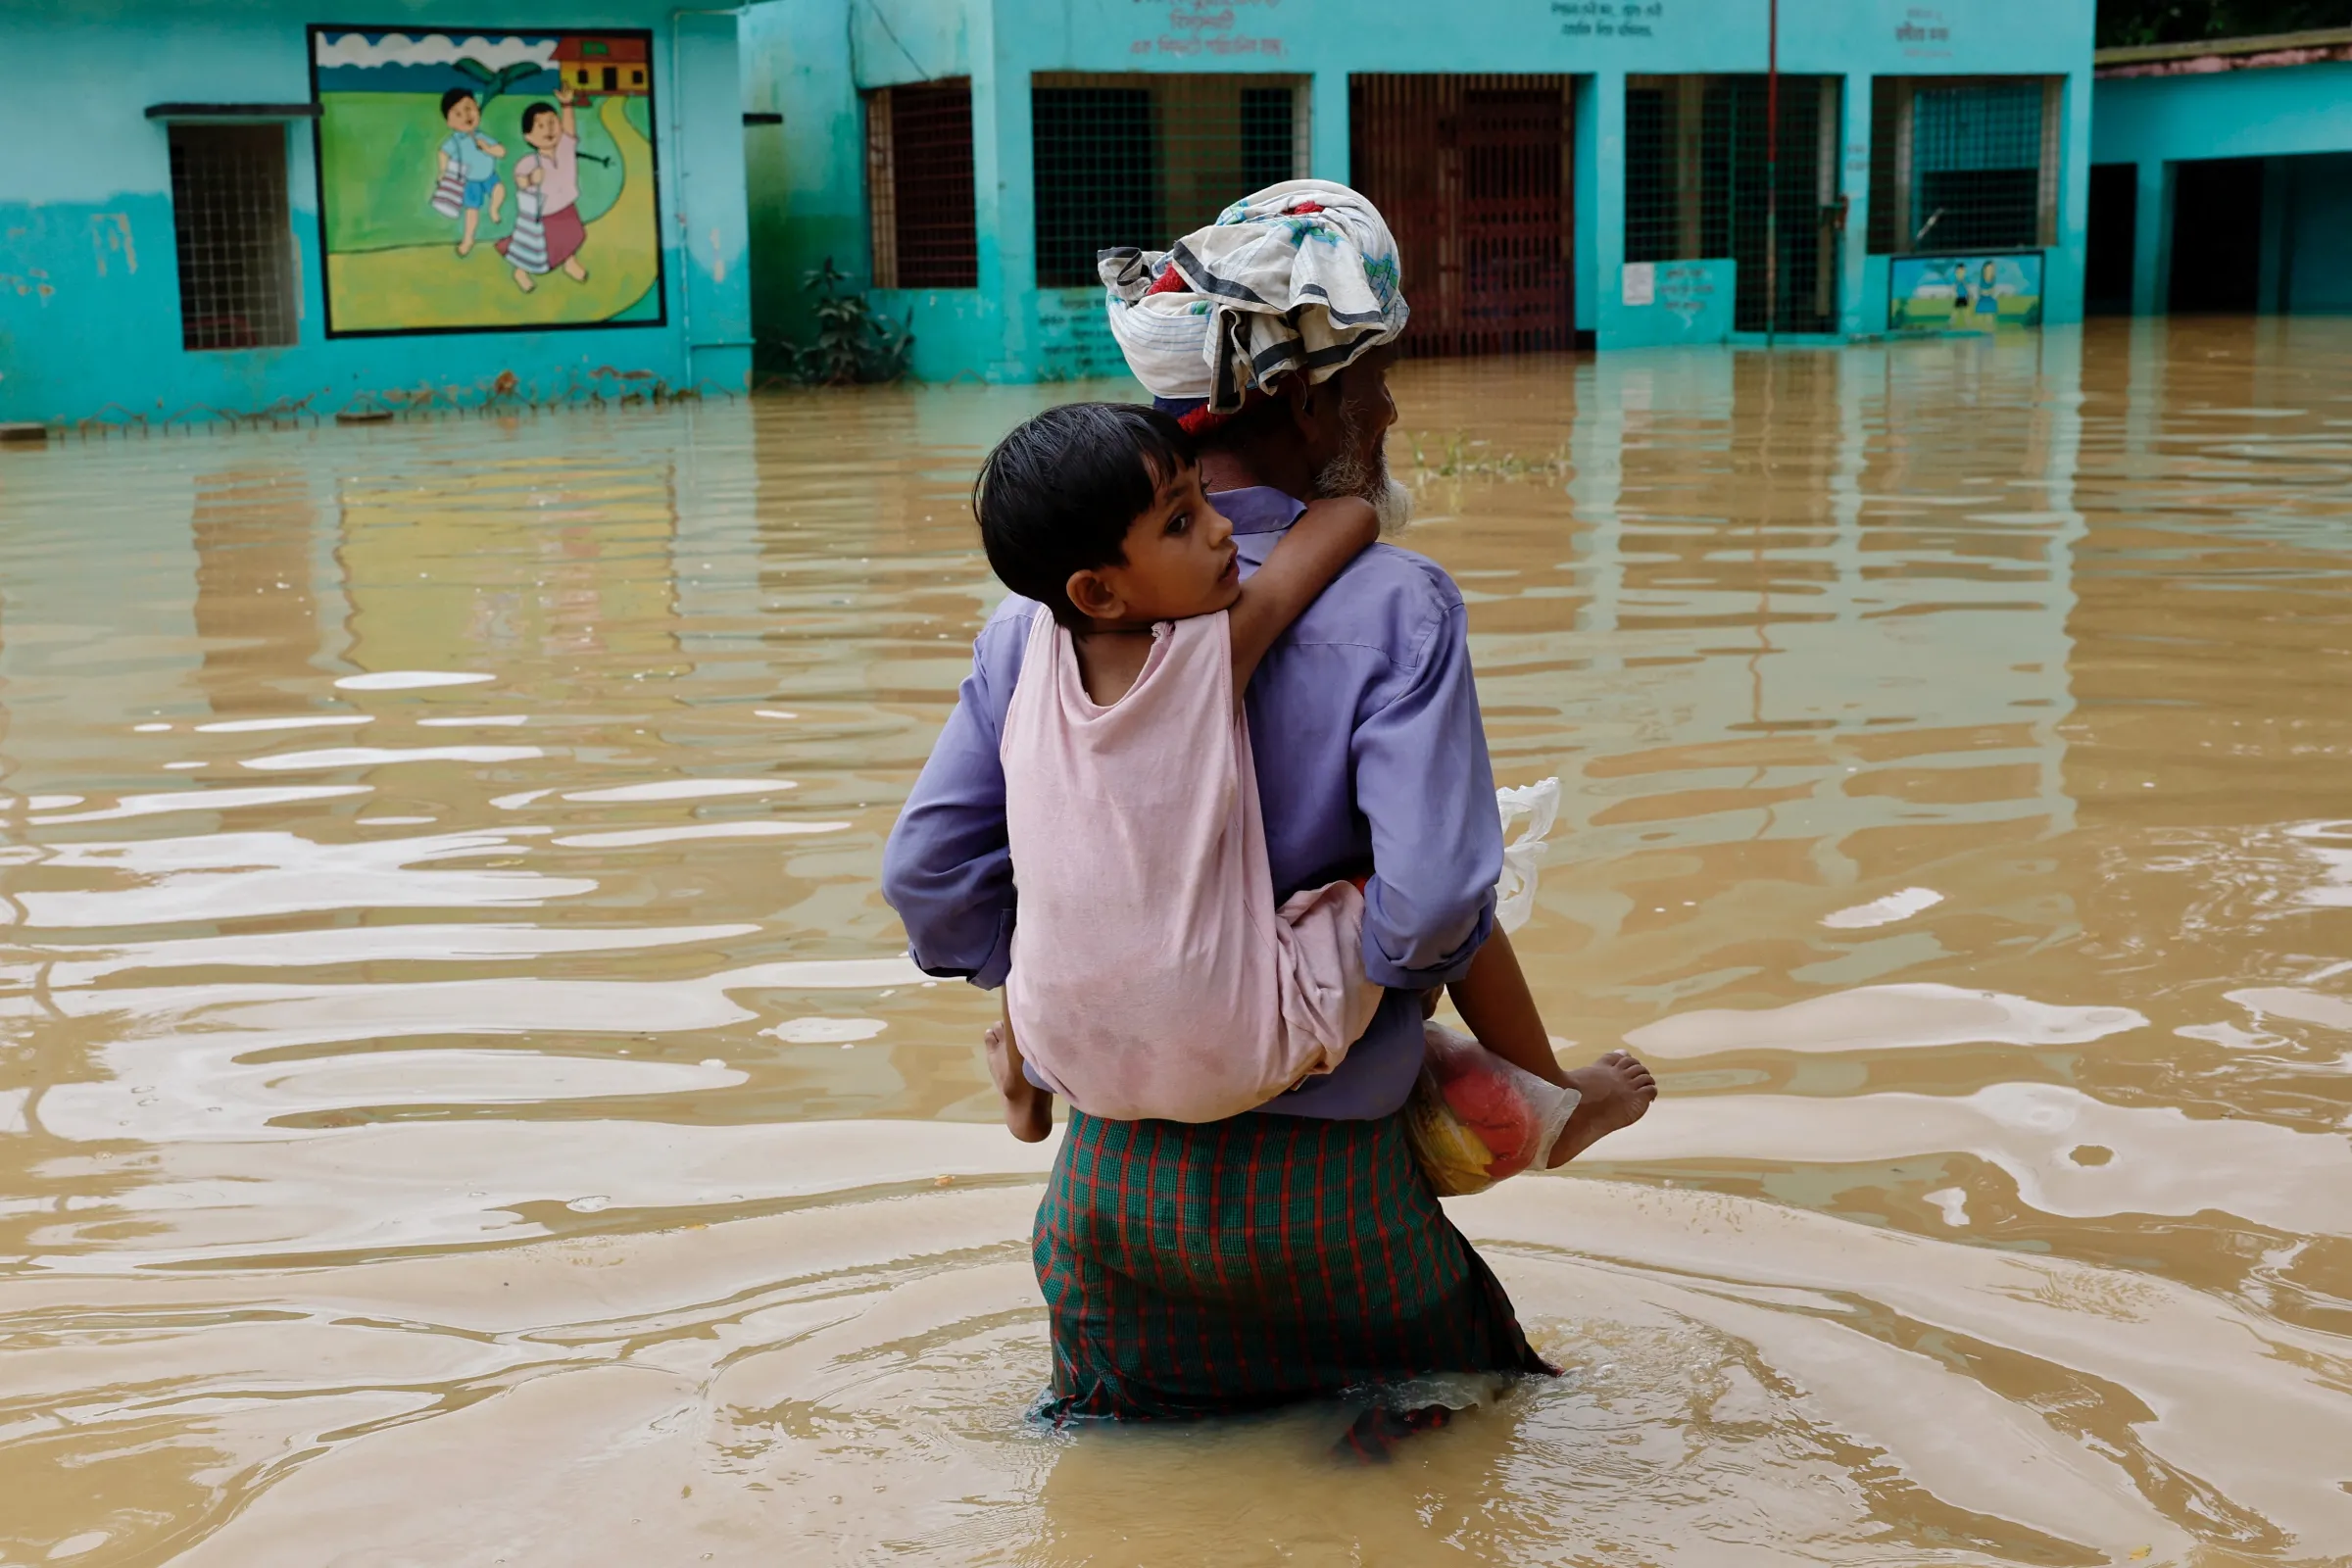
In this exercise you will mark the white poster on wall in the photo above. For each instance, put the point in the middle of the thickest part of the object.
(1640, 282)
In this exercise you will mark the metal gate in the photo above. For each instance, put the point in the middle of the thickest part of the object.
(1697, 184)
(1472, 174)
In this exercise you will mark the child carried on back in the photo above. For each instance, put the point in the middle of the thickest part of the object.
(1152, 974)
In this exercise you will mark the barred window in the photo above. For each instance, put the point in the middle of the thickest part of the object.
(1965, 163)
(234, 236)
(918, 157)
(1666, 124)
(1137, 160)
(1698, 185)
(1269, 136)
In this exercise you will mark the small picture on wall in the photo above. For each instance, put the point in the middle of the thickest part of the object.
(1965, 293)
(486, 181)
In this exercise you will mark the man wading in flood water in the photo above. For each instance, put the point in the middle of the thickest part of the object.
(1199, 1269)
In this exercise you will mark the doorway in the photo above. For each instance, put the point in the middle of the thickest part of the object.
(2216, 235)
(2114, 233)
(1472, 174)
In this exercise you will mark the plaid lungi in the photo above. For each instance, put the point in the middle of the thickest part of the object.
(1199, 1269)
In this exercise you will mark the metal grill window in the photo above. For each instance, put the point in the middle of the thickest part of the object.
(1968, 165)
(1473, 175)
(1665, 157)
(1269, 136)
(919, 166)
(1699, 185)
(1136, 160)
(233, 236)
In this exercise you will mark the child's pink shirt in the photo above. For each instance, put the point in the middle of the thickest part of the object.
(561, 164)
(1152, 974)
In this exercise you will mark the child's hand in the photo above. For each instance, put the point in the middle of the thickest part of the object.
(1028, 1110)
(1351, 518)
(565, 94)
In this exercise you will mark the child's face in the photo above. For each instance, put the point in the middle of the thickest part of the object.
(545, 129)
(1181, 561)
(464, 114)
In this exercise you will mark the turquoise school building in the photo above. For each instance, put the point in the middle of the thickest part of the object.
(270, 211)
(250, 208)
(1559, 172)
(2221, 178)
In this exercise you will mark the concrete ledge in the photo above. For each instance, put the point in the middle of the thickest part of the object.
(232, 111)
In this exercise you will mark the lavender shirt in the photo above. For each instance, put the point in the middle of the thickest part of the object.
(1370, 753)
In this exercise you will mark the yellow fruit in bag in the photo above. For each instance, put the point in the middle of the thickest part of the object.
(1474, 1118)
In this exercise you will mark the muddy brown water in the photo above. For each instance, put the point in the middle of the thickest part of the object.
(463, 1101)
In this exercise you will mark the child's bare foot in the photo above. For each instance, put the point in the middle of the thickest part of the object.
(1615, 1091)
(1028, 1110)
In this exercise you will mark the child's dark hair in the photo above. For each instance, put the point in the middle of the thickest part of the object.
(454, 97)
(530, 116)
(1057, 494)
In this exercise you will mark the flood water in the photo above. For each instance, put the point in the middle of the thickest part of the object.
(462, 1100)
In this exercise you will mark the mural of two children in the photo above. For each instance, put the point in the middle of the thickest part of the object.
(539, 146)
(548, 232)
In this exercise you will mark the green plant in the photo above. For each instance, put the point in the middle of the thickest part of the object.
(2144, 22)
(853, 343)
(1462, 459)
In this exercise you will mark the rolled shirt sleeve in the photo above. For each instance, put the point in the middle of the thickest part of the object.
(1426, 789)
(946, 869)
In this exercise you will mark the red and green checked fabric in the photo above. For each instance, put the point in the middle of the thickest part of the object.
(1195, 1270)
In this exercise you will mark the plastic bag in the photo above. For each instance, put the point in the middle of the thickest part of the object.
(1474, 1118)
(1515, 889)
(449, 193)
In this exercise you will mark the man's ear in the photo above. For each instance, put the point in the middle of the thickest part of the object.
(1299, 393)
(1093, 597)
(1315, 412)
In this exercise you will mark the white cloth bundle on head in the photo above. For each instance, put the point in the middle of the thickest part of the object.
(1300, 277)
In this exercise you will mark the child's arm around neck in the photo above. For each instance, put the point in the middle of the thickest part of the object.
(1326, 537)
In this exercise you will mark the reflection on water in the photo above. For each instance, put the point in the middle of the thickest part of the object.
(462, 1100)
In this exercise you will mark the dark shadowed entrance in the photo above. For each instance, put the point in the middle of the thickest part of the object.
(2216, 235)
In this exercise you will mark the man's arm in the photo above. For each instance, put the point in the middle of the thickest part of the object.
(1427, 791)
(947, 869)
(1326, 537)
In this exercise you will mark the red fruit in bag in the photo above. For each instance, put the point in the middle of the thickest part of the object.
(1474, 1118)
(1497, 1110)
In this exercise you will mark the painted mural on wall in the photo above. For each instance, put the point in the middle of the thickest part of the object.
(473, 182)
(1964, 293)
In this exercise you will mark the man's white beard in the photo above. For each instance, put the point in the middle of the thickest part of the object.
(1349, 475)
